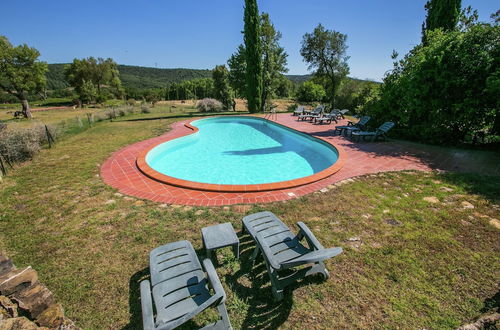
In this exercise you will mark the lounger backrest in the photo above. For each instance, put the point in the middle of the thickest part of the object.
(300, 108)
(363, 120)
(385, 127)
(319, 109)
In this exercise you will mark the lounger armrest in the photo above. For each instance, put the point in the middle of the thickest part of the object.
(312, 257)
(304, 231)
(266, 252)
(214, 280)
(148, 322)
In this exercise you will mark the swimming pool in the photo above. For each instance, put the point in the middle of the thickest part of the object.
(238, 153)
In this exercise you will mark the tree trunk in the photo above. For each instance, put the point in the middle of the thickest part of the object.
(26, 108)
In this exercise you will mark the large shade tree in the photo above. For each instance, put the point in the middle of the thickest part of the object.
(325, 52)
(21, 73)
(98, 72)
(222, 90)
(253, 55)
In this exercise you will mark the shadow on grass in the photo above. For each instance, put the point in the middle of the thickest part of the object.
(263, 311)
(484, 185)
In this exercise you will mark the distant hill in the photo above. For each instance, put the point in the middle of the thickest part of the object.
(133, 76)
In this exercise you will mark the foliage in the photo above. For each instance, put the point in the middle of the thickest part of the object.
(190, 89)
(447, 89)
(207, 105)
(325, 51)
(99, 72)
(274, 59)
(237, 71)
(153, 96)
(21, 72)
(441, 14)
(310, 92)
(222, 90)
(253, 55)
(353, 94)
(88, 92)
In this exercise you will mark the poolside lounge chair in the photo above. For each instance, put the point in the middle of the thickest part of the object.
(343, 112)
(329, 117)
(314, 114)
(283, 250)
(180, 289)
(299, 111)
(380, 132)
(352, 126)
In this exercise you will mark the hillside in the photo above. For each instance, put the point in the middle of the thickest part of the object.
(133, 76)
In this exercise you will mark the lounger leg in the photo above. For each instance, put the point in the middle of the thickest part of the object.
(275, 285)
(255, 253)
(225, 318)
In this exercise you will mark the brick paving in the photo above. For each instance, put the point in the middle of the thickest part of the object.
(120, 170)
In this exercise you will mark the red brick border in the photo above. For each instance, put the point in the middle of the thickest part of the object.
(155, 175)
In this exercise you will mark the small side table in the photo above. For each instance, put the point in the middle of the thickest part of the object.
(219, 236)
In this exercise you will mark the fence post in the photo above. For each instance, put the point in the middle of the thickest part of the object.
(50, 139)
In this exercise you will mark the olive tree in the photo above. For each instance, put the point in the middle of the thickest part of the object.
(325, 52)
(21, 73)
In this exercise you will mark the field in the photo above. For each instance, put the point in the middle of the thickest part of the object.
(421, 250)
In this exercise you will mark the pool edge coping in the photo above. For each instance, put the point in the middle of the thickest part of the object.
(144, 168)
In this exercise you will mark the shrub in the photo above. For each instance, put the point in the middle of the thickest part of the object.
(131, 101)
(207, 105)
(22, 144)
(145, 109)
(309, 92)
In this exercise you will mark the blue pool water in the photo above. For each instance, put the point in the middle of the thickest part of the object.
(241, 150)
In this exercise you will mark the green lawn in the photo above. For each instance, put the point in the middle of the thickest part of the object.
(408, 263)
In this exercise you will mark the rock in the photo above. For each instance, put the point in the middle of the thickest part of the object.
(367, 216)
(226, 208)
(199, 212)
(331, 186)
(446, 189)
(484, 322)
(467, 205)
(406, 195)
(109, 202)
(187, 208)
(436, 181)
(65, 157)
(354, 239)
(6, 265)
(431, 199)
(242, 208)
(127, 198)
(139, 203)
(393, 222)
(175, 206)
(17, 279)
(385, 211)
(52, 317)
(34, 299)
(163, 206)
(18, 323)
(118, 194)
(7, 308)
(324, 190)
(314, 219)
(495, 223)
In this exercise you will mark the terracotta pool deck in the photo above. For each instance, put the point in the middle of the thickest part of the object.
(121, 172)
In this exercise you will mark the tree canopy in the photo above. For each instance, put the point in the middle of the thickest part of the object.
(441, 14)
(325, 52)
(253, 55)
(222, 90)
(21, 72)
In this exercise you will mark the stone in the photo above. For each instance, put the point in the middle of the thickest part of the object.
(6, 264)
(393, 222)
(52, 317)
(324, 190)
(17, 279)
(139, 203)
(199, 212)
(18, 323)
(467, 205)
(495, 223)
(118, 194)
(385, 211)
(175, 206)
(187, 208)
(242, 208)
(7, 308)
(163, 206)
(367, 216)
(447, 189)
(109, 202)
(431, 199)
(354, 239)
(34, 299)
(226, 208)
(127, 198)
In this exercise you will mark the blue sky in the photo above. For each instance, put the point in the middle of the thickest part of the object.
(201, 33)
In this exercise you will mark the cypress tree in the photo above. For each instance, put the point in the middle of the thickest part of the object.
(441, 14)
(253, 56)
